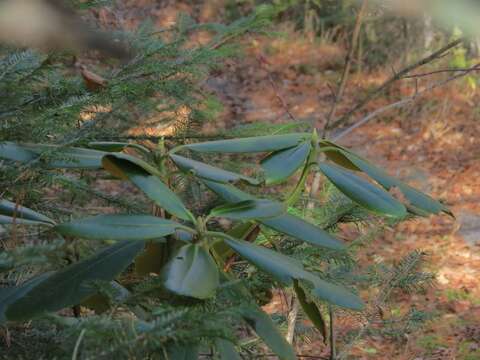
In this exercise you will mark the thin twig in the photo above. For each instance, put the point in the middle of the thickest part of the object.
(224, 41)
(346, 69)
(371, 116)
(77, 345)
(7, 337)
(438, 72)
(292, 319)
(405, 101)
(264, 65)
(397, 76)
(333, 349)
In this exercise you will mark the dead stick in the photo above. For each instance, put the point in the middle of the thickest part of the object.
(292, 319)
(263, 62)
(414, 76)
(348, 65)
(333, 350)
(405, 101)
(397, 76)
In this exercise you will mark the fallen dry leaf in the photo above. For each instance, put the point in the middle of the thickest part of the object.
(94, 82)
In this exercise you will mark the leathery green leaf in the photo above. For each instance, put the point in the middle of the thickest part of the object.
(228, 192)
(142, 164)
(335, 153)
(419, 203)
(19, 221)
(77, 158)
(258, 320)
(111, 146)
(191, 272)
(280, 165)
(119, 227)
(209, 172)
(250, 144)
(363, 192)
(243, 230)
(12, 294)
(11, 212)
(287, 224)
(150, 184)
(16, 152)
(249, 209)
(182, 352)
(226, 350)
(263, 325)
(64, 157)
(300, 229)
(70, 286)
(416, 199)
(311, 310)
(286, 270)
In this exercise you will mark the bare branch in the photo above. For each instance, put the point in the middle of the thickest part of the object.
(371, 116)
(292, 319)
(397, 76)
(263, 62)
(414, 76)
(405, 101)
(346, 69)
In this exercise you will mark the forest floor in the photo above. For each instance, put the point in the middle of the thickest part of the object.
(431, 144)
